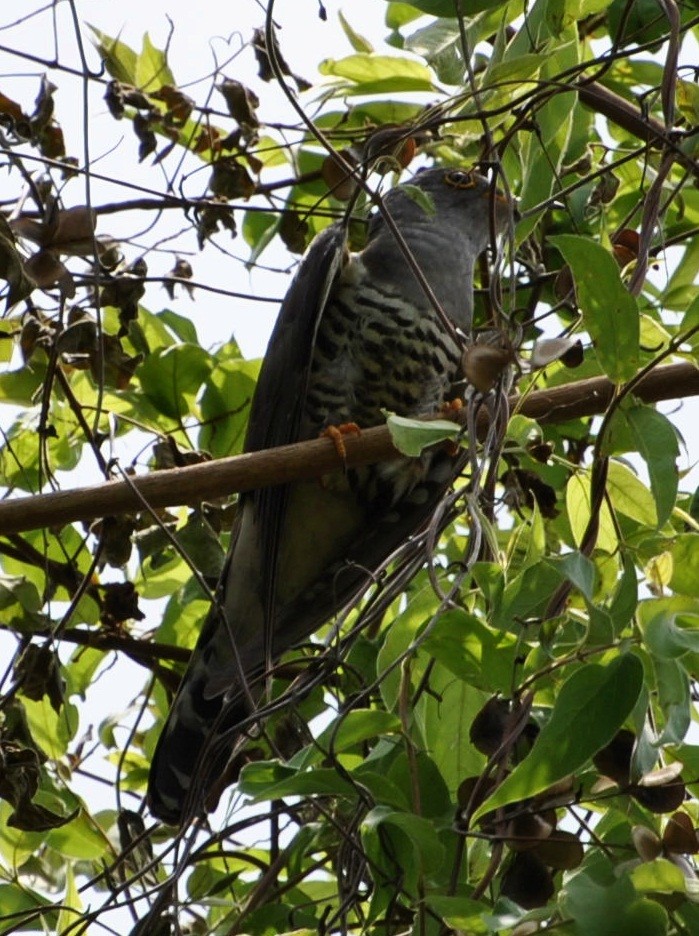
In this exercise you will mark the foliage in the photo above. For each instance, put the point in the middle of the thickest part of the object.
(518, 755)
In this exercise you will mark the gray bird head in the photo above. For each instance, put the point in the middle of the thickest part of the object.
(457, 200)
(445, 231)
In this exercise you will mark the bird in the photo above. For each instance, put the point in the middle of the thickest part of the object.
(357, 335)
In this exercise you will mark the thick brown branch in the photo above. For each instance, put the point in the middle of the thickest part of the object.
(308, 459)
(633, 120)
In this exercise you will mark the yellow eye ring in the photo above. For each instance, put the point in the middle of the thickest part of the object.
(460, 179)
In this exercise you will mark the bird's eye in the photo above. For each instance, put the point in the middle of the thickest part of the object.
(459, 178)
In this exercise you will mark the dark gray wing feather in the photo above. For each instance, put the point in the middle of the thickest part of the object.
(279, 400)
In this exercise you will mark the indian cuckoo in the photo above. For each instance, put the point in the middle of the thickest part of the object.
(357, 335)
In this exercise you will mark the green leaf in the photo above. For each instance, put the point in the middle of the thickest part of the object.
(461, 914)
(477, 654)
(152, 71)
(225, 404)
(674, 689)
(590, 708)
(579, 570)
(578, 508)
(400, 14)
(421, 832)
(670, 626)
(266, 780)
(357, 41)
(119, 59)
(51, 730)
(611, 908)
(18, 899)
(440, 45)
(610, 312)
(629, 495)
(653, 436)
(411, 436)
(345, 732)
(71, 906)
(172, 377)
(182, 327)
(527, 595)
(685, 564)
(377, 74)
(658, 877)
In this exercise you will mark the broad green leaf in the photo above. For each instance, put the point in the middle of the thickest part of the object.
(346, 732)
(440, 45)
(421, 832)
(15, 846)
(152, 71)
(356, 40)
(629, 495)
(17, 590)
(171, 378)
(376, 74)
(691, 316)
(674, 688)
(51, 730)
(578, 508)
(610, 908)
(119, 59)
(400, 14)
(579, 570)
(477, 654)
(444, 717)
(683, 282)
(16, 899)
(259, 228)
(182, 327)
(411, 436)
(670, 626)
(625, 600)
(527, 595)
(266, 780)
(610, 312)
(589, 709)
(658, 877)
(71, 906)
(685, 564)
(225, 405)
(461, 914)
(653, 436)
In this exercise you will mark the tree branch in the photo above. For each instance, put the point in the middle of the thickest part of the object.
(305, 460)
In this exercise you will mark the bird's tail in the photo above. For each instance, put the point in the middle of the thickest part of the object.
(197, 741)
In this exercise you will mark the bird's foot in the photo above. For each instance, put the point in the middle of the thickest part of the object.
(449, 407)
(452, 406)
(337, 435)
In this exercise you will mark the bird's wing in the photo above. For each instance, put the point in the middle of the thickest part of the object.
(281, 388)
(280, 396)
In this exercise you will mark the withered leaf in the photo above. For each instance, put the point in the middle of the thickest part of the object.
(39, 674)
(241, 102)
(47, 270)
(120, 604)
(11, 267)
(230, 179)
(264, 66)
(293, 230)
(179, 105)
